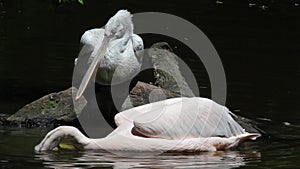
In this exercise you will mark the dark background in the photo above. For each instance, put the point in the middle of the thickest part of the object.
(39, 40)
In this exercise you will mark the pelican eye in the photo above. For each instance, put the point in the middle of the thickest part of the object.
(166, 47)
(113, 31)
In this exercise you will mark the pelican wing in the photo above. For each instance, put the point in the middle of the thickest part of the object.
(130, 114)
(184, 118)
(138, 47)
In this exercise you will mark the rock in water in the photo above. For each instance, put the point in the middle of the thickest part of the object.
(3, 118)
(49, 111)
(144, 93)
(166, 70)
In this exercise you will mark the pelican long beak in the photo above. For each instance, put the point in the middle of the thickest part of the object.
(92, 70)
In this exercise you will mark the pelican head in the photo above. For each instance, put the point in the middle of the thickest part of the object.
(114, 52)
(119, 25)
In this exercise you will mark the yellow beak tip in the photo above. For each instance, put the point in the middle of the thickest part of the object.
(77, 98)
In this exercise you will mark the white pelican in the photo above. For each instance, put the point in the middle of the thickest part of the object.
(114, 52)
(178, 124)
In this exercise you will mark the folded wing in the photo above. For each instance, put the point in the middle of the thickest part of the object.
(183, 118)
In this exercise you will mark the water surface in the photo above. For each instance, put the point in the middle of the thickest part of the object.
(259, 50)
(281, 150)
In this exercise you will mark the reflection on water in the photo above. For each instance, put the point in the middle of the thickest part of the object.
(221, 159)
(281, 149)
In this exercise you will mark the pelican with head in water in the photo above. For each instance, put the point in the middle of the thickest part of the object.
(178, 124)
(114, 56)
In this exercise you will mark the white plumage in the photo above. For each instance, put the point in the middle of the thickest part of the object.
(178, 124)
(116, 52)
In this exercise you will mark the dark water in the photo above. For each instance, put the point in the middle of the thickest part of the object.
(259, 50)
(280, 151)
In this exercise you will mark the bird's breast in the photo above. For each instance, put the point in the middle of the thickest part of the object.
(118, 65)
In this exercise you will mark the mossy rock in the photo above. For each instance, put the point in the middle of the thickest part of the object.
(51, 110)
